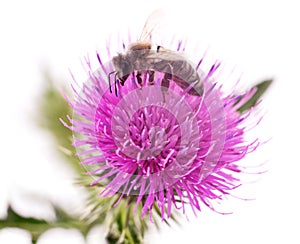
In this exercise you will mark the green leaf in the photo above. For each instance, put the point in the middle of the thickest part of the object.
(36, 227)
(125, 225)
(51, 107)
(261, 89)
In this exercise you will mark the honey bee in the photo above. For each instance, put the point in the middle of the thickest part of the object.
(141, 59)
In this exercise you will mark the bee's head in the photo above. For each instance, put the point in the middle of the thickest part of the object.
(123, 67)
(122, 64)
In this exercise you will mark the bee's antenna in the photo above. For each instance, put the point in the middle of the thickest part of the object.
(116, 73)
(109, 83)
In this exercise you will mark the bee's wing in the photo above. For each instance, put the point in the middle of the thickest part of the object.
(152, 24)
(166, 55)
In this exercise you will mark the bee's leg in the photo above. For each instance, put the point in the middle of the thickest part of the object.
(109, 82)
(123, 79)
(116, 91)
(165, 83)
(139, 78)
(168, 75)
(166, 80)
(157, 49)
(151, 77)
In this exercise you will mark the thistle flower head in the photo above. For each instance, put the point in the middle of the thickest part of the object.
(156, 145)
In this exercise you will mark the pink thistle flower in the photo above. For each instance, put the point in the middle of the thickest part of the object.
(160, 146)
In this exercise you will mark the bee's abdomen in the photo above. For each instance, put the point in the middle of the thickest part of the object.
(183, 73)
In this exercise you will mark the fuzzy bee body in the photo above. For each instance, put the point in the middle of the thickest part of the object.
(140, 58)
(179, 70)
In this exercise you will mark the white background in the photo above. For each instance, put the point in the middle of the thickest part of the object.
(259, 38)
